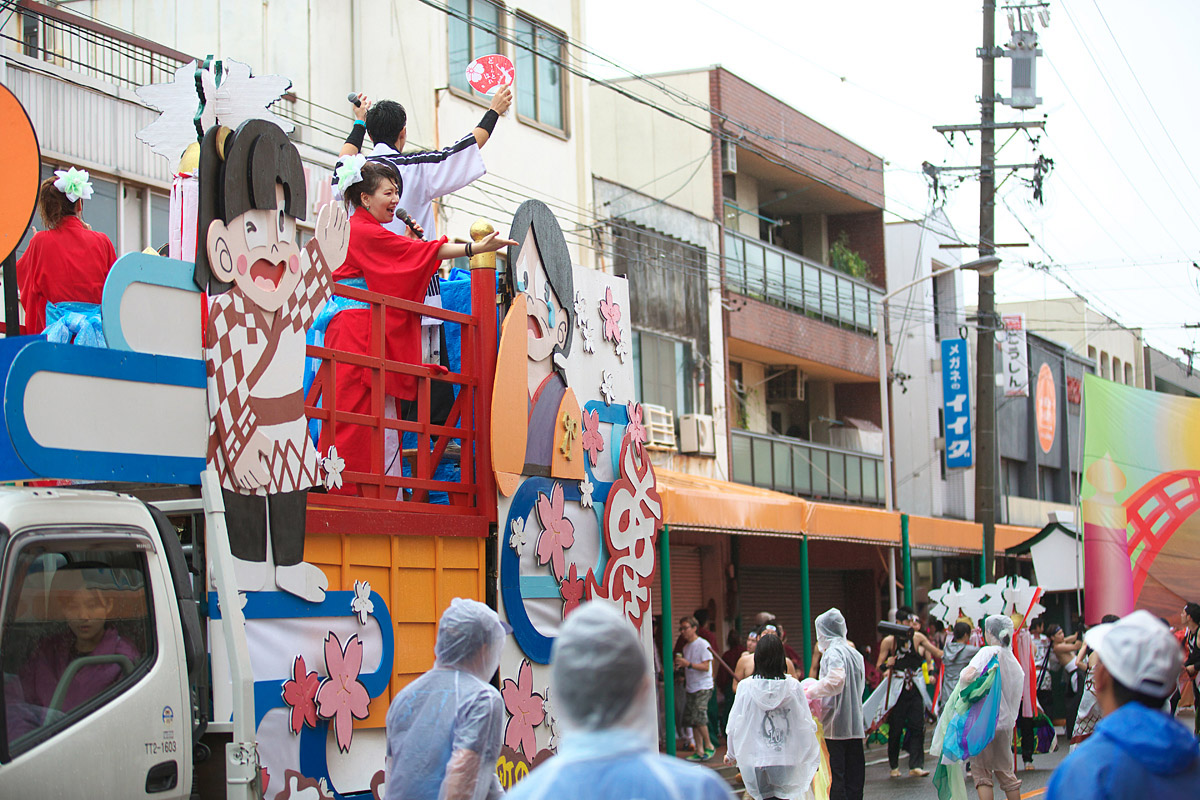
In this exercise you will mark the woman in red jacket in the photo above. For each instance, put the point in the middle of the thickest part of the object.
(383, 262)
(68, 261)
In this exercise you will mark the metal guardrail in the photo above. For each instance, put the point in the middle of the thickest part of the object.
(766, 272)
(792, 466)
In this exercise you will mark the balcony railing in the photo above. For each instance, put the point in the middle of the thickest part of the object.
(802, 468)
(766, 272)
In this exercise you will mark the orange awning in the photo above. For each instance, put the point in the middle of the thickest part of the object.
(705, 504)
(960, 536)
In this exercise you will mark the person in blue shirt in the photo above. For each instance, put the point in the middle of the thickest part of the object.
(603, 693)
(1137, 750)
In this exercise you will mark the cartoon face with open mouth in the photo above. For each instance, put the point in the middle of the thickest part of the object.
(547, 321)
(257, 250)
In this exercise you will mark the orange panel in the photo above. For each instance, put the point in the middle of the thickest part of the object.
(510, 397)
(456, 583)
(568, 465)
(20, 172)
(375, 550)
(413, 599)
(461, 553)
(952, 533)
(414, 551)
(322, 548)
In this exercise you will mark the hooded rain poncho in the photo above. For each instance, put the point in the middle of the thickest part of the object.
(600, 682)
(841, 681)
(772, 736)
(444, 729)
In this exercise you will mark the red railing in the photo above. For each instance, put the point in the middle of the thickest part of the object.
(472, 498)
(1156, 511)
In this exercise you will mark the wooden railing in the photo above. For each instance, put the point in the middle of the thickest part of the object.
(470, 500)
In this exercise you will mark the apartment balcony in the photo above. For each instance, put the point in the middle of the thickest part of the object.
(780, 277)
(818, 471)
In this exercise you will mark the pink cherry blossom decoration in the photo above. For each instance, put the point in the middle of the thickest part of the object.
(610, 312)
(558, 533)
(300, 694)
(592, 441)
(635, 430)
(342, 697)
(527, 709)
(573, 591)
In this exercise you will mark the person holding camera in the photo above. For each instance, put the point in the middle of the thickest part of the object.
(903, 655)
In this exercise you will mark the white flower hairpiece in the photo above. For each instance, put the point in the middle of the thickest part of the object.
(74, 183)
(348, 172)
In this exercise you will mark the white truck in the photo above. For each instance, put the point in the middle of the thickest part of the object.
(103, 654)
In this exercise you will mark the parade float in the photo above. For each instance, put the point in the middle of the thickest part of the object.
(318, 604)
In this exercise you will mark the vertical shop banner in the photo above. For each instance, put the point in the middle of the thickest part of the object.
(956, 404)
(1015, 356)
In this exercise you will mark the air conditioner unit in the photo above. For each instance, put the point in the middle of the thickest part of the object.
(786, 383)
(660, 427)
(696, 434)
(728, 157)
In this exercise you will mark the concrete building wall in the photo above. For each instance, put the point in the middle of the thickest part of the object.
(1088, 332)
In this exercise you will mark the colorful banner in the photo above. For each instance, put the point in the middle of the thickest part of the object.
(956, 404)
(1141, 462)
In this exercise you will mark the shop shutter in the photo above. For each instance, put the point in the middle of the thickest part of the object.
(778, 590)
(687, 590)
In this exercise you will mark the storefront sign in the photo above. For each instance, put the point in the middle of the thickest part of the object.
(1047, 408)
(956, 404)
(1015, 360)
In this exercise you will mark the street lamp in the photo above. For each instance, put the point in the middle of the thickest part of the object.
(986, 267)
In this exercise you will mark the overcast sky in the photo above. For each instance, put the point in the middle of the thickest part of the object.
(1119, 82)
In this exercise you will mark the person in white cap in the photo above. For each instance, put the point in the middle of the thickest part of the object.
(1137, 750)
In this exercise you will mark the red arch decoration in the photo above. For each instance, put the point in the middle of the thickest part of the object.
(1165, 502)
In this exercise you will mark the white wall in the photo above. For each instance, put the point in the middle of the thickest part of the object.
(912, 250)
(641, 148)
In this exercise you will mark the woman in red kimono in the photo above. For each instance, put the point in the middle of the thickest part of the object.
(68, 261)
(392, 265)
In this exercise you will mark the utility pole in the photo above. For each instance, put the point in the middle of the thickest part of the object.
(985, 351)
(1022, 50)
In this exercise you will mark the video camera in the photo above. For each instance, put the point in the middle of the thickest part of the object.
(894, 629)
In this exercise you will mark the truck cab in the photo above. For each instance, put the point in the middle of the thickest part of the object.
(99, 646)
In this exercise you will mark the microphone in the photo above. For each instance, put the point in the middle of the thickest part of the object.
(353, 98)
(407, 219)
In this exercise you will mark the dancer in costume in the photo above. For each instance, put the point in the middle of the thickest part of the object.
(771, 734)
(979, 719)
(1088, 713)
(901, 696)
(63, 269)
(382, 262)
(264, 295)
(839, 691)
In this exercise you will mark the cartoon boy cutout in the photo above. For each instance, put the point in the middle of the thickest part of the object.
(533, 432)
(265, 294)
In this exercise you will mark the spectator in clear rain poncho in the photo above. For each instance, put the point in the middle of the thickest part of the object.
(840, 688)
(771, 734)
(444, 729)
(601, 684)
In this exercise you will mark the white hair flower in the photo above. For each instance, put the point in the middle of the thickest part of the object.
(347, 172)
(76, 184)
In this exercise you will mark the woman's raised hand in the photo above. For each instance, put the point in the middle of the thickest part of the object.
(491, 243)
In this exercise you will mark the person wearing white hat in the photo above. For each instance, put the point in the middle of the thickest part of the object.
(1137, 750)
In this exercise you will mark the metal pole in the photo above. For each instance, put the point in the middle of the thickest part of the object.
(12, 313)
(805, 606)
(985, 416)
(906, 554)
(884, 405)
(668, 642)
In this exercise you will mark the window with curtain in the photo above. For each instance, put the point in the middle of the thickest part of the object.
(540, 77)
(470, 40)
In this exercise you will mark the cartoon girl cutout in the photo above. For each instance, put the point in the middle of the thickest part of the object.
(542, 440)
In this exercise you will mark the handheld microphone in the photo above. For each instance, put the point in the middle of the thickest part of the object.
(353, 98)
(407, 219)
